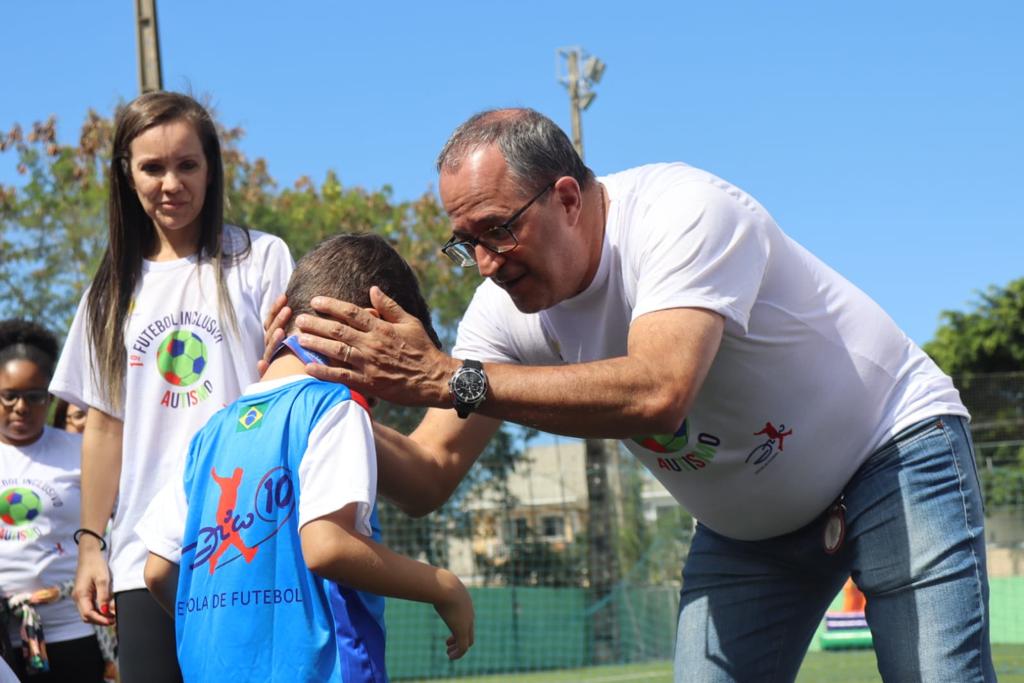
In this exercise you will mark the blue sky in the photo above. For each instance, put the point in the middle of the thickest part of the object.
(886, 137)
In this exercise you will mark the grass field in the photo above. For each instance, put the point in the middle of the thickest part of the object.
(856, 666)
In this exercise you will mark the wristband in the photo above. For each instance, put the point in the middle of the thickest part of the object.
(89, 532)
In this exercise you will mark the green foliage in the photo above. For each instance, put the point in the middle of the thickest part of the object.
(53, 227)
(632, 531)
(983, 350)
(987, 339)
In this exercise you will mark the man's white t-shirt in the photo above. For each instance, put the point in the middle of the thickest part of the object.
(184, 363)
(40, 496)
(811, 377)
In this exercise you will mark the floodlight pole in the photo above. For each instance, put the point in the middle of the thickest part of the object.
(580, 87)
(602, 554)
(148, 41)
(573, 63)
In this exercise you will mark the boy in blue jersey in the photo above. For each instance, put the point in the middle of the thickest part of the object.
(267, 551)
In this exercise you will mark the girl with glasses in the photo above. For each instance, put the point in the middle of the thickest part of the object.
(39, 508)
(169, 331)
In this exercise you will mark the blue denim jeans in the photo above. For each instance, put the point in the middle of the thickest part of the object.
(915, 546)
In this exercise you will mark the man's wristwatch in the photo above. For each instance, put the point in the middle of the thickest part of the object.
(469, 387)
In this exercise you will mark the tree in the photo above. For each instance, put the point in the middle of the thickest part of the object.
(987, 339)
(983, 350)
(52, 228)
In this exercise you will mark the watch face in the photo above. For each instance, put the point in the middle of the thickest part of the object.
(469, 386)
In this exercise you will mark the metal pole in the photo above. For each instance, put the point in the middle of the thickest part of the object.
(602, 557)
(148, 41)
(573, 62)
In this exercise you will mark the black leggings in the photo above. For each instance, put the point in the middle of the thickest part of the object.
(71, 661)
(146, 651)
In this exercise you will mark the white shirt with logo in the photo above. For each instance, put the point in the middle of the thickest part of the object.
(811, 377)
(40, 496)
(184, 363)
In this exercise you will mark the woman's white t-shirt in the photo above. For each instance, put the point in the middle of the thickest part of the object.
(184, 363)
(40, 496)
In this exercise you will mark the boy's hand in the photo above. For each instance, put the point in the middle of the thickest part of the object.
(273, 331)
(457, 611)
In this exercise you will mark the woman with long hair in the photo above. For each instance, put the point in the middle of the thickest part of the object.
(169, 331)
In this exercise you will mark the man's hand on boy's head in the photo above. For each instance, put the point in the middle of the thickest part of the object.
(386, 354)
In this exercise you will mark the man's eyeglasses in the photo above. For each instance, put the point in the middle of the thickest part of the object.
(499, 239)
(33, 397)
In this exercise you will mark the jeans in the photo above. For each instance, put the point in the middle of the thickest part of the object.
(915, 545)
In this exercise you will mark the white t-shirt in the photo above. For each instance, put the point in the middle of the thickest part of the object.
(6, 675)
(338, 467)
(184, 364)
(811, 377)
(40, 495)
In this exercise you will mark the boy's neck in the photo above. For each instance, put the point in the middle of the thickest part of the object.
(290, 359)
(285, 364)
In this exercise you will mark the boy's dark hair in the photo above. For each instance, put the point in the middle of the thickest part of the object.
(346, 266)
(26, 340)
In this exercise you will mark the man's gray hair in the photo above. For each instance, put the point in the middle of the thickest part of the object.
(536, 150)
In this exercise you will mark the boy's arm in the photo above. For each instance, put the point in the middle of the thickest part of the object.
(334, 549)
(161, 578)
(161, 529)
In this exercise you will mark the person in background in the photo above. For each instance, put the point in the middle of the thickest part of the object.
(70, 418)
(166, 335)
(39, 510)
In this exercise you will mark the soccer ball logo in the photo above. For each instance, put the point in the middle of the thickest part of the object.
(181, 358)
(665, 443)
(19, 506)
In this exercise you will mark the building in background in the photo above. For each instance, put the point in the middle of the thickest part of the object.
(546, 503)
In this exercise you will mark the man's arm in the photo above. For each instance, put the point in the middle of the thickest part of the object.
(420, 472)
(647, 391)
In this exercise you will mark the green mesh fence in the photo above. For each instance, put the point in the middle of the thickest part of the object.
(540, 580)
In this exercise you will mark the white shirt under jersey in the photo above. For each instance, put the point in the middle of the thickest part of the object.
(811, 377)
(184, 363)
(40, 495)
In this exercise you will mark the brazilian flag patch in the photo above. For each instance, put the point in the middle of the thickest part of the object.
(251, 417)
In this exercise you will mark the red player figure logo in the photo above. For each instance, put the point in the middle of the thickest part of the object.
(228, 522)
(772, 433)
(765, 453)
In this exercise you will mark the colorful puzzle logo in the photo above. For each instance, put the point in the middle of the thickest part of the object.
(19, 506)
(181, 358)
(665, 443)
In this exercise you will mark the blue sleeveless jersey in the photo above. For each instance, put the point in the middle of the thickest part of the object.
(247, 607)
